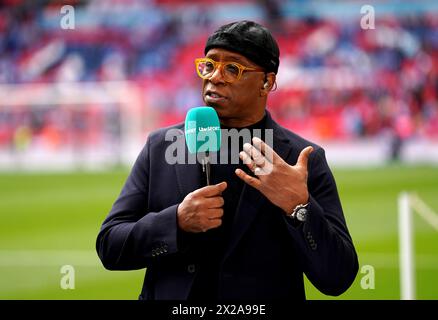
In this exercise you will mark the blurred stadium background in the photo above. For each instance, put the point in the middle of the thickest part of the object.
(76, 106)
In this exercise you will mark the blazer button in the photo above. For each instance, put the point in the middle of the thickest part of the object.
(191, 268)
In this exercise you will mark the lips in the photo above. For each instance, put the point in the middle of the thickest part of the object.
(213, 96)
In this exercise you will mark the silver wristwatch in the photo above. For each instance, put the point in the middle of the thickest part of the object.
(300, 212)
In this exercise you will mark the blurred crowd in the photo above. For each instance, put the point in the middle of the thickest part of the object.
(336, 80)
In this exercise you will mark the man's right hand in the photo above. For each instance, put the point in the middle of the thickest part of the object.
(201, 210)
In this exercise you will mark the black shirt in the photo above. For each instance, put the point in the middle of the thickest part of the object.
(214, 242)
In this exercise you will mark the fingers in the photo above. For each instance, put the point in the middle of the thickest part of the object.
(247, 160)
(214, 202)
(212, 219)
(215, 214)
(255, 154)
(266, 150)
(214, 224)
(259, 157)
(202, 209)
(260, 165)
(253, 182)
(211, 191)
(303, 158)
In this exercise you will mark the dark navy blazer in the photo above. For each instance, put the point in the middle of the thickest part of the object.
(267, 253)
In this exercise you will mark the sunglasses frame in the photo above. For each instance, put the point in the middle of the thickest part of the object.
(220, 64)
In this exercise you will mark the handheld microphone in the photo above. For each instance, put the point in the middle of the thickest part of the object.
(203, 135)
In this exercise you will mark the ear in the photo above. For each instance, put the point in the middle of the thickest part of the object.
(268, 83)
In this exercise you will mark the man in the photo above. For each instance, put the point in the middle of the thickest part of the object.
(253, 232)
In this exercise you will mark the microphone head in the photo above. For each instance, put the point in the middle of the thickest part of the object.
(202, 130)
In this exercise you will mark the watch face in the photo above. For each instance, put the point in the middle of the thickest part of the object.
(302, 214)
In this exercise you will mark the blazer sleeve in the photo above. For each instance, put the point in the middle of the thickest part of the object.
(131, 236)
(327, 253)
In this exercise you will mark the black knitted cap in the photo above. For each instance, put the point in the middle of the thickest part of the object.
(251, 40)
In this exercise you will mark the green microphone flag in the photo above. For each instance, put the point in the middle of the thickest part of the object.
(203, 134)
(202, 130)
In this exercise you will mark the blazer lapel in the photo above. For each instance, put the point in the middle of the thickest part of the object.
(188, 175)
(251, 200)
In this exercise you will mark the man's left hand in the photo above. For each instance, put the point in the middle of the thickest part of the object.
(284, 185)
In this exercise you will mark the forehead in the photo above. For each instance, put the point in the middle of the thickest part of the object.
(220, 54)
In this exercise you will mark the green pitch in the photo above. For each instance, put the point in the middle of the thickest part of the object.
(51, 220)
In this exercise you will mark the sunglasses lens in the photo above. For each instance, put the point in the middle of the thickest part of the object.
(205, 68)
(231, 70)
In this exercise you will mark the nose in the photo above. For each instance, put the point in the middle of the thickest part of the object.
(217, 76)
